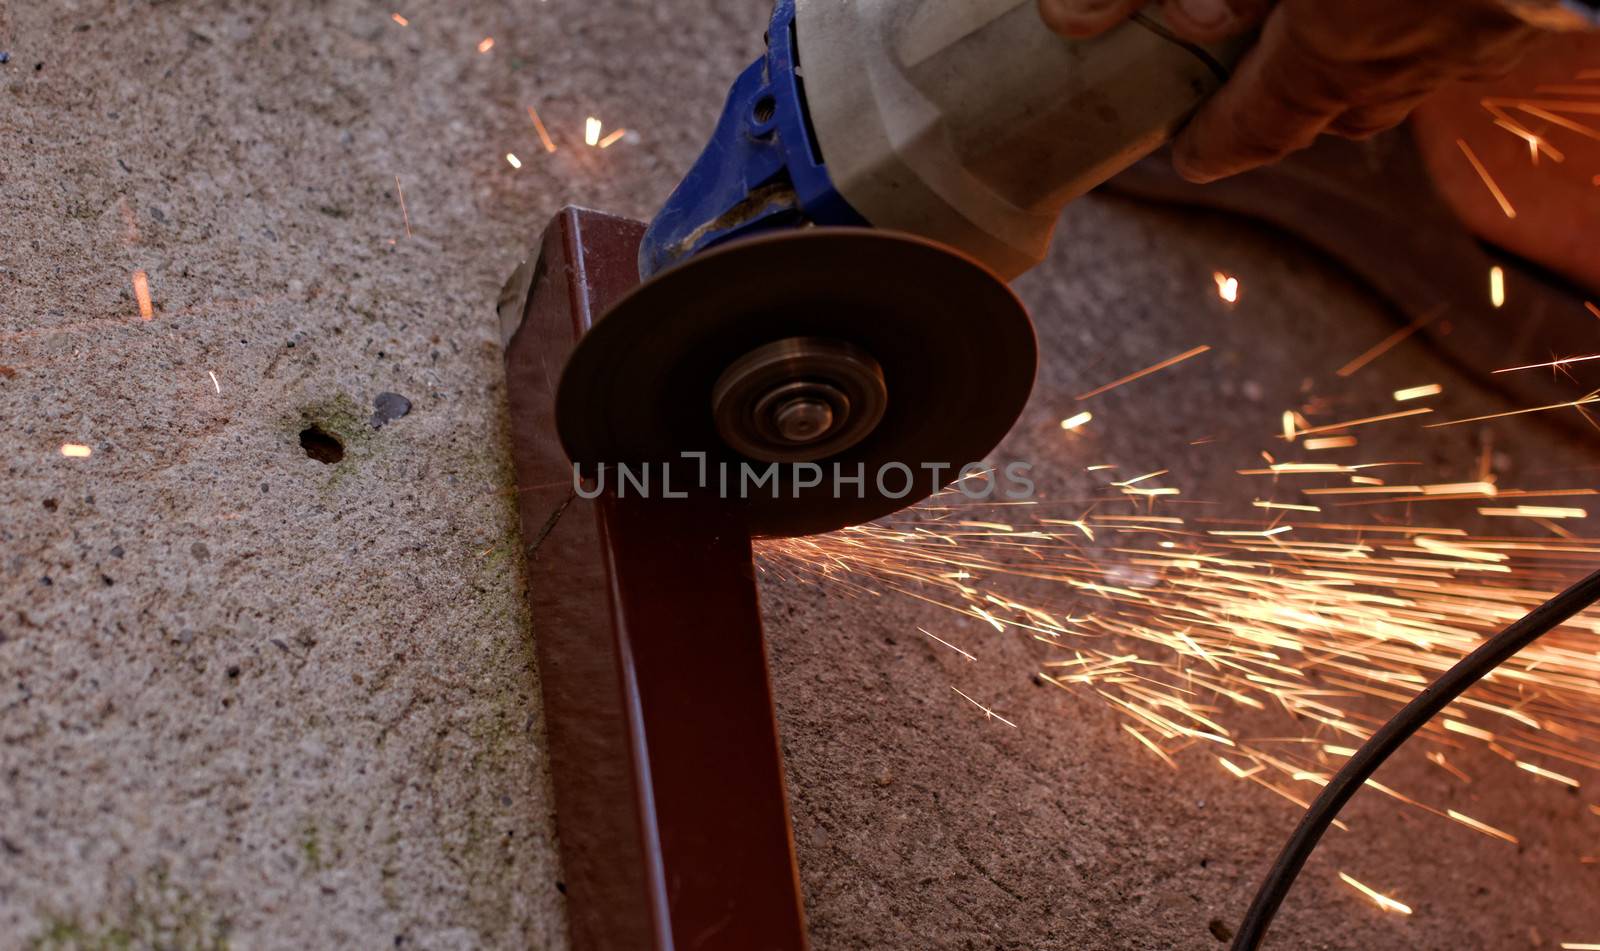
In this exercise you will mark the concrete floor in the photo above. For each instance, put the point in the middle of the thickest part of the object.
(249, 698)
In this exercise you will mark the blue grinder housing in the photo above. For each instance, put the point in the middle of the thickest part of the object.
(762, 169)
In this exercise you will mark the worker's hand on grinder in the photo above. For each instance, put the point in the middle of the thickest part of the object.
(1348, 67)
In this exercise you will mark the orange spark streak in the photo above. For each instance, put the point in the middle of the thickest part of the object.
(486, 44)
(1534, 511)
(404, 214)
(1389, 343)
(1561, 121)
(1483, 827)
(1547, 774)
(1536, 144)
(1382, 901)
(948, 644)
(1365, 420)
(73, 450)
(1170, 361)
(612, 138)
(1417, 392)
(1330, 442)
(1488, 180)
(399, 19)
(1564, 361)
(141, 293)
(1518, 412)
(544, 135)
(986, 710)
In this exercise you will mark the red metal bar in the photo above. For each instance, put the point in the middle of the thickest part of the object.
(670, 801)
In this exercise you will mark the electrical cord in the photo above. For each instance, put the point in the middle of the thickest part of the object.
(1438, 695)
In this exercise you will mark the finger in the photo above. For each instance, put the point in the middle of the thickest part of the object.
(1207, 21)
(1368, 121)
(1277, 102)
(1084, 18)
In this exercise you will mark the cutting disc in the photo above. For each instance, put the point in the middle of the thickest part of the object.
(929, 342)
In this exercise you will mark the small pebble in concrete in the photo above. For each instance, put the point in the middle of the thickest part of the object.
(387, 408)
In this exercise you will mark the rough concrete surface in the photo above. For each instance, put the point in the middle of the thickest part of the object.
(254, 699)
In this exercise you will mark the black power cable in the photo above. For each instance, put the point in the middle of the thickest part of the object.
(1438, 695)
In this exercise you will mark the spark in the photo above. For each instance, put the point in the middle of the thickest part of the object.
(1564, 361)
(1365, 420)
(986, 710)
(1562, 121)
(1382, 901)
(1138, 479)
(1518, 412)
(1534, 511)
(1287, 507)
(486, 44)
(1189, 623)
(1330, 442)
(1150, 745)
(1547, 774)
(1483, 827)
(1164, 364)
(141, 293)
(74, 450)
(1417, 392)
(1073, 422)
(544, 134)
(1227, 287)
(612, 138)
(1536, 144)
(512, 159)
(1488, 180)
(1497, 286)
(1579, 946)
(1389, 343)
(214, 383)
(1591, 305)
(399, 19)
(404, 214)
(947, 644)
(591, 131)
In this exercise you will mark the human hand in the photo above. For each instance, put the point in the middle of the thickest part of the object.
(1352, 68)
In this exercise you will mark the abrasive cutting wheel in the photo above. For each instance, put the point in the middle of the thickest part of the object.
(837, 346)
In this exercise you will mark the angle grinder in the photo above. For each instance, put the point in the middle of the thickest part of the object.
(825, 293)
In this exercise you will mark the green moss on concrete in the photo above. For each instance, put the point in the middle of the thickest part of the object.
(340, 415)
(154, 914)
(311, 847)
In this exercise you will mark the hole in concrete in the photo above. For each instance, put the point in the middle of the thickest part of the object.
(321, 445)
